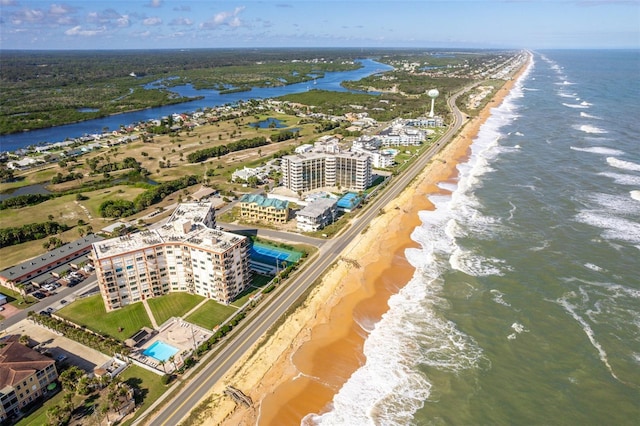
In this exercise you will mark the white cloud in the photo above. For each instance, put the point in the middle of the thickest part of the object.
(152, 21)
(123, 21)
(28, 16)
(224, 18)
(155, 3)
(59, 9)
(78, 31)
(181, 21)
(107, 16)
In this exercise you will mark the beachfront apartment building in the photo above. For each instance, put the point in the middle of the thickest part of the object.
(24, 376)
(317, 214)
(314, 170)
(187, 254)
(400, 134)
(256, 207)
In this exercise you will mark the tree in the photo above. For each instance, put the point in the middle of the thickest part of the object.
(53, 415)
(23, 292)
(70, 377)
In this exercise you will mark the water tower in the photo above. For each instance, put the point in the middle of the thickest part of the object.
(433, 94)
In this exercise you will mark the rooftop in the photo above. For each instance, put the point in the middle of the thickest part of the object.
(263, 201)
(185, 226)
(49, 257)
(317, 207)
(18, 362)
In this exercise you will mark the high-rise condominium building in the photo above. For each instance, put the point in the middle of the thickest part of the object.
(312, 170)
(186, 254)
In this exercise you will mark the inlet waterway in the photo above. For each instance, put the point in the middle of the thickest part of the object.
(209, 98)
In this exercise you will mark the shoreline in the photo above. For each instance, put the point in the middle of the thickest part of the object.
(305, 362)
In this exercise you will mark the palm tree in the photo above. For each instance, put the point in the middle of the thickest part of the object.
(23, 292)
(172, 360)
(53, 415)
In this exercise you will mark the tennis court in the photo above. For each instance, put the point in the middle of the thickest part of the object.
(271, 255)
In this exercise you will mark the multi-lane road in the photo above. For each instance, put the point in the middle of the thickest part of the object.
(284, 297)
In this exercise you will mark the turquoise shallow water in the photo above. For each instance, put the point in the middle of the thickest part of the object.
(525, 308)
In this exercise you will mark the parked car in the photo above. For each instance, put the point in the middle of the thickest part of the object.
(38, 295)
(63, 301)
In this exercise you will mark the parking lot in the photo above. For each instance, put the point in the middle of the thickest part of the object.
(59, 347)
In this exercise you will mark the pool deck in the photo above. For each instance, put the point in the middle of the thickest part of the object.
(178, 333)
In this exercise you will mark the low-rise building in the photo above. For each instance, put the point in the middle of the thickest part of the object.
(24, 376)
(246, 173)
(256, 207)
(24, 272)
(317, 214)
(187, 254)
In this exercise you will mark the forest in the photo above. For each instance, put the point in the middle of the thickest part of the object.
(48, 88)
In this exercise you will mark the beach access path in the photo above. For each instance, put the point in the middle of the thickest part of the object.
(242, 339)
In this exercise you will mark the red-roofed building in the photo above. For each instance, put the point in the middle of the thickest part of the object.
(24, 376)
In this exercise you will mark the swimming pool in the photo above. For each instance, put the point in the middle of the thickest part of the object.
(160, 351)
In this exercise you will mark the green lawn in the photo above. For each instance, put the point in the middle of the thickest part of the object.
(39, 417)
(149, 386)
(91, 313)
(211, 314)
(16, 299)
(173, 305)
(257, 283)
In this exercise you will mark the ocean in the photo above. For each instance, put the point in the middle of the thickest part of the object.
(525, 304)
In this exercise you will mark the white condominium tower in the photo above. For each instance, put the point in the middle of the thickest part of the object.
(186, 254)
(313, 170)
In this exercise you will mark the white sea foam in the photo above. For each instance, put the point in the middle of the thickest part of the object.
(575, 105)
(447, 186)
(599, 150)
(566, 95)
(613, 227)
(476, 265)
(616, 204)
(622, 179)
(585, 115)
(572, 310)
(635, 195)
(518, 329)
(498, 297)
(593, 267)
(589, 129)
(622, 164)
(389, 388)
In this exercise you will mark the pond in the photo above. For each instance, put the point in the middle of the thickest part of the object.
(37, 188)
(269, 123)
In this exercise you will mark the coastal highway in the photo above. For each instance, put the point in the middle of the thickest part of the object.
(261, 319)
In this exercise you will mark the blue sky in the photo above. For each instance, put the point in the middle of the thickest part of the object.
(149, 24)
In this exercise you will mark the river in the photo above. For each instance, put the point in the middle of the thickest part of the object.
(210, 98)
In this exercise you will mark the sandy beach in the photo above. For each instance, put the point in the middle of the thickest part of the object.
(306, 361)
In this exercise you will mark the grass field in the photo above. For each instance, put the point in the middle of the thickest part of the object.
(211, 314)
(39, 417)
(172, 305)
(91, 313)
(257, 283)
(149, 386)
